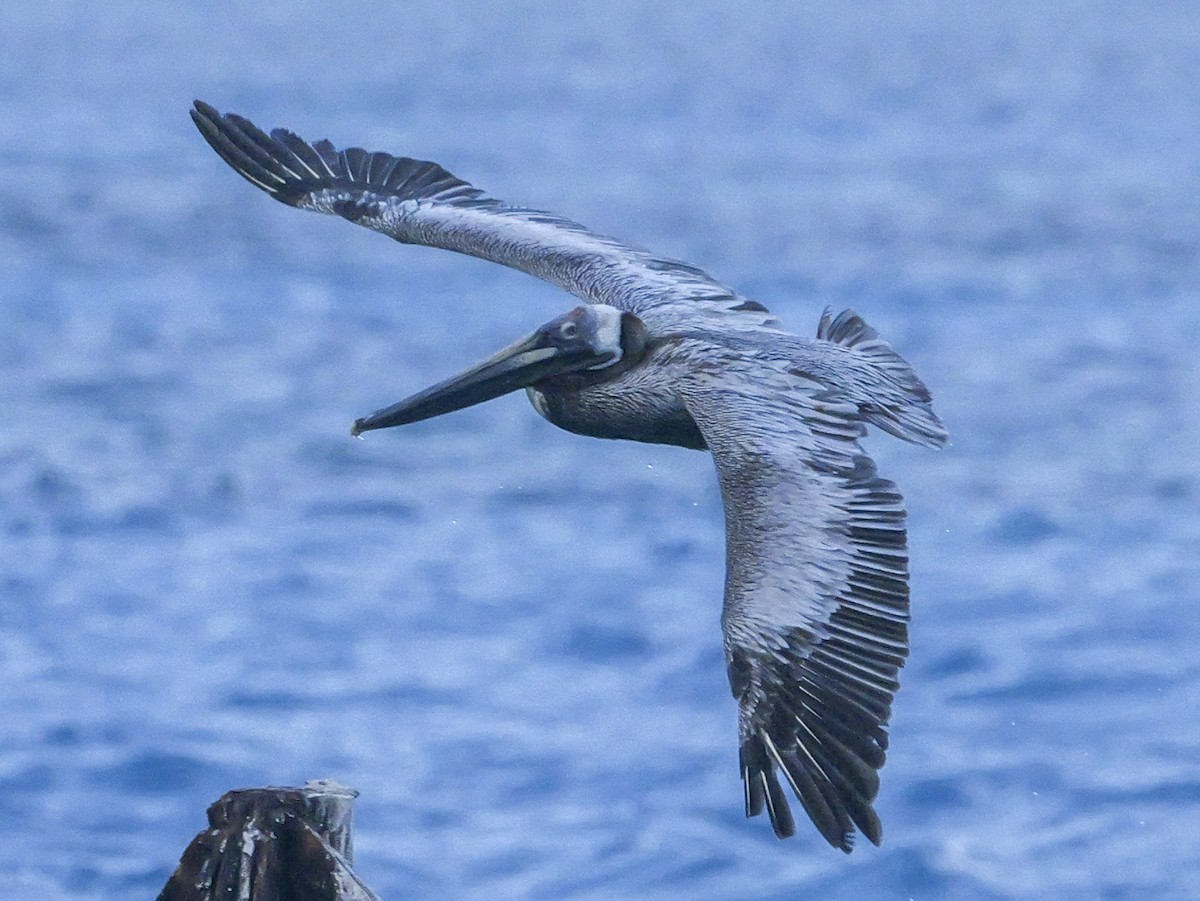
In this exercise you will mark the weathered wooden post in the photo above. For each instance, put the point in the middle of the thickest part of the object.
(273, 844)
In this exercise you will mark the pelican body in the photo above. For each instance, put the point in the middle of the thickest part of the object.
(816, 608)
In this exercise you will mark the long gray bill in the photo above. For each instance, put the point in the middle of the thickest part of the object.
(525, 363)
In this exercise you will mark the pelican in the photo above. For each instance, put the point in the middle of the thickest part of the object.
(816, 608)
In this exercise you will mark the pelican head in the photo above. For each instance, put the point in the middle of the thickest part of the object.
(589, 344)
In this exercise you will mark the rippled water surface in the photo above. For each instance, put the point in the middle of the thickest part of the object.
(504, 635)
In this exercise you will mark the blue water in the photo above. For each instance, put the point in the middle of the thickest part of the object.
(506, 636)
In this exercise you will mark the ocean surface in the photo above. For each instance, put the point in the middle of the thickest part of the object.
(506, 636)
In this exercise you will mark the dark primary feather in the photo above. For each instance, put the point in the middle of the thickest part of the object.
(289, 169)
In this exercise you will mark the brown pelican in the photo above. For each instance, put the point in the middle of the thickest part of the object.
(816, 615)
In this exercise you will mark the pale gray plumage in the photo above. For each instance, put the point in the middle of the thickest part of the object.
(816, 596)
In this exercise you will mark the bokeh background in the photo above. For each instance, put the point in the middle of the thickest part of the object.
(507, 636)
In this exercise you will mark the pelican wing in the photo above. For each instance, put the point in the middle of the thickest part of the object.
(816, 596)
(419, 202)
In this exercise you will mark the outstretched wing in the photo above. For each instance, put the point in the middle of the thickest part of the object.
(816, 594)
(418, 202)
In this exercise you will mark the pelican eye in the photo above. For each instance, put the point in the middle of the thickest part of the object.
(569, 330)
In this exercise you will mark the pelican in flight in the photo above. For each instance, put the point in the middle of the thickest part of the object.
(816, 609)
